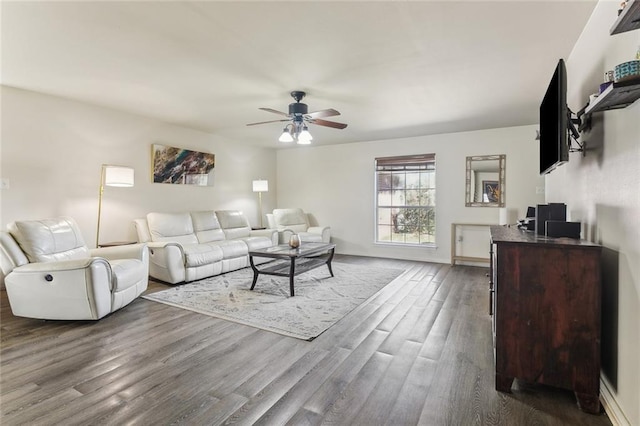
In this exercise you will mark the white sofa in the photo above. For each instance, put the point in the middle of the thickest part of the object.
(51, 274)
(190, 246)
(295, 221)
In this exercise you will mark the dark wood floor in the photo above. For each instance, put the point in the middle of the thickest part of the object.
(419, 352)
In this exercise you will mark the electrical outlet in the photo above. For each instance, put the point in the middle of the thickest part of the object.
(4, 184)
(539, 189)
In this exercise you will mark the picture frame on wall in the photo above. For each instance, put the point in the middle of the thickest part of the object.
(490, 191)
(181, 166)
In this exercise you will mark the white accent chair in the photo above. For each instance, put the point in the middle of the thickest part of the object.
(295, 221)
(51, 274)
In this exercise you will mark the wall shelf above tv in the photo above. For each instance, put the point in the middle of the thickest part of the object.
(628, 20)
(621, 94)
(617, 95)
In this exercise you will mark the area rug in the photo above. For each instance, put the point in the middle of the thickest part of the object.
(319, 302)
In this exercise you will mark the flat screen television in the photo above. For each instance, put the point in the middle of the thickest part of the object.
(554, 122)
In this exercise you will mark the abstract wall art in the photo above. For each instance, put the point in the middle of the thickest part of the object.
(181, 166)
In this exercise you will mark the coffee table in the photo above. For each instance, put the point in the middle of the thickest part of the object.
(291, 262)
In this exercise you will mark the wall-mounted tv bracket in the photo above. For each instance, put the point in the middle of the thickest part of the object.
(585, 119)
(573, 133)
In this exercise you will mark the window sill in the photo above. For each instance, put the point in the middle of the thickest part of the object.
(406, 245)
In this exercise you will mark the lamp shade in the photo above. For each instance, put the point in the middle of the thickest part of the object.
(285, 136)
(508, 216)
(118, 176)
(260, 186)
(305, 138)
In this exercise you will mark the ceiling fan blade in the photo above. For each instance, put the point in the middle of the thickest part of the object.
(327, 123)
(323, 113)
(275, 111)
(265, 122)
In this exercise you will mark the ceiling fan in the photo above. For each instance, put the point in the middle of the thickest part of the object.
(299, 117)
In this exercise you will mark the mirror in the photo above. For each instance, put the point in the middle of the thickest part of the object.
(485, 181)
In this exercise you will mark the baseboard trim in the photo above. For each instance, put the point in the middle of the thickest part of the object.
(610, 405)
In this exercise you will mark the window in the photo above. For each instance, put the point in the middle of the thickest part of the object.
(406, 199)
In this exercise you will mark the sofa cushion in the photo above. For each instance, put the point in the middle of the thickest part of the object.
(255, 243)
(234, 223)
(295, 228)
(237, 233)
(201, 254)
(174, 227)
(49, 239)
(230, 248)
(294, 219)
(206, 226)
(232, 219)
(308, 237)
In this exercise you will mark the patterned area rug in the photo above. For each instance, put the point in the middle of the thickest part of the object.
(319, 302)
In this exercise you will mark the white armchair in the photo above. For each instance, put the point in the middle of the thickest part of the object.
(51, 274)
(296, 221)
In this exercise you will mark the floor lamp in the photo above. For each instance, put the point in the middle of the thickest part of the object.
(260, 186)
(112, 176)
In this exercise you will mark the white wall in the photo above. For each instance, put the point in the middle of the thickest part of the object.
(336, 184)
(53, 149)
(602, 190)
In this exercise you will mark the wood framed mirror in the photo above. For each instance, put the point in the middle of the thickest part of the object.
(485, 181)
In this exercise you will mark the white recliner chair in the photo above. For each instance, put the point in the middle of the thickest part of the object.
(295, 221)
(51, 274)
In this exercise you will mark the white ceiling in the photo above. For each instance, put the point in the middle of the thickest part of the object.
(392, 68)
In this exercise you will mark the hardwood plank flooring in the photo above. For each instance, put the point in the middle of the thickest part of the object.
(418, 352)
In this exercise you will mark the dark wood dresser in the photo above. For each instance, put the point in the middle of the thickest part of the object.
(545, 302)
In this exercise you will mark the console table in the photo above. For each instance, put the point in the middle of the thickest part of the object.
(545, 296)
(454, 238)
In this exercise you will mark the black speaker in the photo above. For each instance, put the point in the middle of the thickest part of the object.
(557, 211)
(542, 215)
(560, 228)
(551, 211)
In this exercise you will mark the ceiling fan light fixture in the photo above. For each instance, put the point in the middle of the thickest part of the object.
(298, 117)
(305, 137)
(286, 135)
